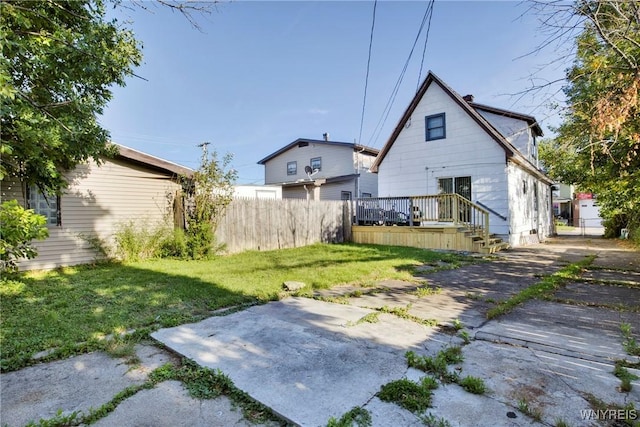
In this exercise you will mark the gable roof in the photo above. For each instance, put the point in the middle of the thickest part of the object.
(356, 147)
(152, 162)
(531, 121)
(470, 108)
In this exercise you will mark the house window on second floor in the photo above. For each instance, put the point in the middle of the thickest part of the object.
(435, 127)
(47, 205)
(292, 168)
(316, 164)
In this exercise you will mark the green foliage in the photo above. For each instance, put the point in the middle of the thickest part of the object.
(629, 342)
(138, 240)
(598, 144)
(18, 227)
(59, 420)
(59, 61)
(414, 397)
(356, 416)
(437, 365)
(473, 385)
(211, 193)
(431, 420)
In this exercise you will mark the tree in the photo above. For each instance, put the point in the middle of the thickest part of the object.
(597, 146)
(59, 60)
(210, 194)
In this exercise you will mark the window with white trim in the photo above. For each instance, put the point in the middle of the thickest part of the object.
(47, 205)
(316, 164)
(292, 168)
(345, 195)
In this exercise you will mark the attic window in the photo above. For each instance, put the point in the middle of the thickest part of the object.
(303, 144)
(435, 127)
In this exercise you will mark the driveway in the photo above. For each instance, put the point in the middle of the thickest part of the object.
(309, 359)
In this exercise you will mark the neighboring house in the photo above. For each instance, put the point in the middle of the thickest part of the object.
(586, 211)
(257, 191)
(447, 143)
(339, 170)
(133, 186)
(563, 203)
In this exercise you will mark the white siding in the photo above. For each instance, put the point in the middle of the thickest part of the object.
(334, 191)
(97, 199)
(258, 191)
(368, 182)
(296, 192)
(412, 166)
(336, 161)
(528, 224)
(516, 131)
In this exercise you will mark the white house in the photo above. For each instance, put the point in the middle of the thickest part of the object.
(322, 170)
(257, 191)
(445, 143)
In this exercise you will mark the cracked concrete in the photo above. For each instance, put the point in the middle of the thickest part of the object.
(310, 360)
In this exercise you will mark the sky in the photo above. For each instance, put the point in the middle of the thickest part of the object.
(260, 74)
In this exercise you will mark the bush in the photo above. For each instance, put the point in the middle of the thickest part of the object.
(137, 241)
(175, 245)
(18, 228)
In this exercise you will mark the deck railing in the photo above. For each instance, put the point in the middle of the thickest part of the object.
(423, 211)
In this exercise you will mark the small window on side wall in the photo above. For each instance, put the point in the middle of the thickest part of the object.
(316, 164)
(292, 168)
(47, 205)
(345, 195)
(435, 127)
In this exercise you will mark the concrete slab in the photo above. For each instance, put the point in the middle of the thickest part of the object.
(307, 360)
(554, 385)
(169, 405)
(584, 332)
(624, 297)
(74, 384)
(616, 276)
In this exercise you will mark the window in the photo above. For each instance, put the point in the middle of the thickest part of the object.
(366, 194)
(345, 195)
(292, 168)
(316, 163)
(47, 205)
(435, 127)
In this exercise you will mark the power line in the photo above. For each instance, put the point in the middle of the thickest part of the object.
(366, 80)
(387, 109)
(424, 49)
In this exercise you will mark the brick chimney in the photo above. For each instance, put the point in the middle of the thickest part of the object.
(468, 98)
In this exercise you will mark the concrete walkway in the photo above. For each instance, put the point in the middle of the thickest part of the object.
(310, 359)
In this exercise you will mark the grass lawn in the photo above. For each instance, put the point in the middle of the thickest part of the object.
(72, 309)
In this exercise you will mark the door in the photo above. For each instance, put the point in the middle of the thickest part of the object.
(460, 185)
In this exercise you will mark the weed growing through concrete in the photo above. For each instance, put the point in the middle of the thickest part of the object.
(437, 365)
(561, 423)
(600, 405)
(403, 313)
(542, 289)
(534, 413)
(629, 342)
(431, 420)
(465, 336)
(625, 377)
(457, 324)
(356, 416)
(367, 318)
(473, 385)
(58, 420)
(426, 291)
(412, 396)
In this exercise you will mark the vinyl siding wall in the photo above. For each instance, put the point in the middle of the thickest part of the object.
(524, 217)
(368, 182)
(336, 161)
(98, 199)
(413, 165)
(516, 131)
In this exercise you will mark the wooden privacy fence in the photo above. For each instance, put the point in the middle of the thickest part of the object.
(265, 224)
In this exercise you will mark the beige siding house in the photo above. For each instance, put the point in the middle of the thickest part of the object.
(339, 170)
(133, 186)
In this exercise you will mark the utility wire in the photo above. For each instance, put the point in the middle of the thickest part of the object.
(387, 108)
(424, 49)
(366, 80)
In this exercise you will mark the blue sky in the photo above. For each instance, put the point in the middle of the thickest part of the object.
(262, 74)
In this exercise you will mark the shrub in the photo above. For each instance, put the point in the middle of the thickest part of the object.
(136, 240)
(18, 228)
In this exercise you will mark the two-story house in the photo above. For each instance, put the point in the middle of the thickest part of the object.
(446, 143)
(322, 170)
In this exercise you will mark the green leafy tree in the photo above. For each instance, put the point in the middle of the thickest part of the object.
(59, 60)
(211, 192)
(18, 227)
(598, 144)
